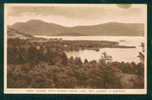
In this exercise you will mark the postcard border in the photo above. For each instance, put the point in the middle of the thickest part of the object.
(71, 91)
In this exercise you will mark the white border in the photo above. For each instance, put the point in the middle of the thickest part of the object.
(69, 91)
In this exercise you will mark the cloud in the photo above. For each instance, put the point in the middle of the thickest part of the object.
(74, 14)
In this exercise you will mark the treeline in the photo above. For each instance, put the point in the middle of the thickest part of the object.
(67, 45)
(39, 66)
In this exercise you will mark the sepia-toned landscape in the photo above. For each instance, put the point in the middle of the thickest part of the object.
(76, 46)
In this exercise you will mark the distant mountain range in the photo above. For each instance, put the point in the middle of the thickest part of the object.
(39, 27)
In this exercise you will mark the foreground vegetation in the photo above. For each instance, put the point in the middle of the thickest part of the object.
(42, 65)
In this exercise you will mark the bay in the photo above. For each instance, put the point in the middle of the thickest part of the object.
(118, 54)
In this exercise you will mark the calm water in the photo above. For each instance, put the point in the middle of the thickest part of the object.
(118, 54)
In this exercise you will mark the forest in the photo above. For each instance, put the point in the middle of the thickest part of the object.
(45, 65)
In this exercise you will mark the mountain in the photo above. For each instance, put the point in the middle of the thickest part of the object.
(38, 27)
(12, 33)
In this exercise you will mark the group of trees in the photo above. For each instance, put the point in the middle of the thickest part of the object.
(37, 66)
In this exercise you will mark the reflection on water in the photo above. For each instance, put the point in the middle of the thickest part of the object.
(118, 54)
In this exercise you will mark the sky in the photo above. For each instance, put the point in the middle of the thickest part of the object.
(76, 14)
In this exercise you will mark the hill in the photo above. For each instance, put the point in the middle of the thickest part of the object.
(12, 33)
(38, 27)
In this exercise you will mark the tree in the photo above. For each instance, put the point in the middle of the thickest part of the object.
(105, 58)
(141, 54)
